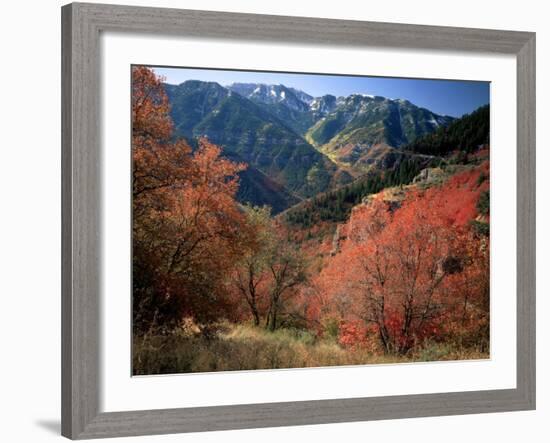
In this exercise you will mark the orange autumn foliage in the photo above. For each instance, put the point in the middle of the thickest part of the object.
(188, 229)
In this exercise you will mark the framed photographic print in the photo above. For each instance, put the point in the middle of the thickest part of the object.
(273, 221)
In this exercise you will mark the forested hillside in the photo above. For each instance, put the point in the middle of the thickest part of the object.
(444, 148)
(336, 206)
(467, 134)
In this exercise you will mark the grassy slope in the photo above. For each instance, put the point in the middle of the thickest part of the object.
(244, 347)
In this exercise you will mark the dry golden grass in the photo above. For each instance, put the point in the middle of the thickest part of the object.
(244, 347)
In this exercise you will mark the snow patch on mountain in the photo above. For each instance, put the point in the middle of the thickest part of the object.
(434, 122)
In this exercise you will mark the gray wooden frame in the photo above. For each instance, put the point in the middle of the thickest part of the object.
(81, 165)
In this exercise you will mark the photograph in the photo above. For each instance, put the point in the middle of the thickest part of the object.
(285, 220)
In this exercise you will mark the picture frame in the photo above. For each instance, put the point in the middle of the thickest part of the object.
(82, 25)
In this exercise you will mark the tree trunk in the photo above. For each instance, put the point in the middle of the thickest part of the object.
(384, 338)
(268, 318)
(273, 321)
(256, 317)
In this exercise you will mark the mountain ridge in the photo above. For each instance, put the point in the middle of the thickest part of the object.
(340, 126)
(255, 135)
(298, 144)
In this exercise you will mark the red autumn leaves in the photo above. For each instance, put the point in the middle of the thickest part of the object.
(415, 270)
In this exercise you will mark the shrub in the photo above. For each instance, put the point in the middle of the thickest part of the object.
(484, 204)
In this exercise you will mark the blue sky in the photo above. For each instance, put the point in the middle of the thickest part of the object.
(447, 97)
